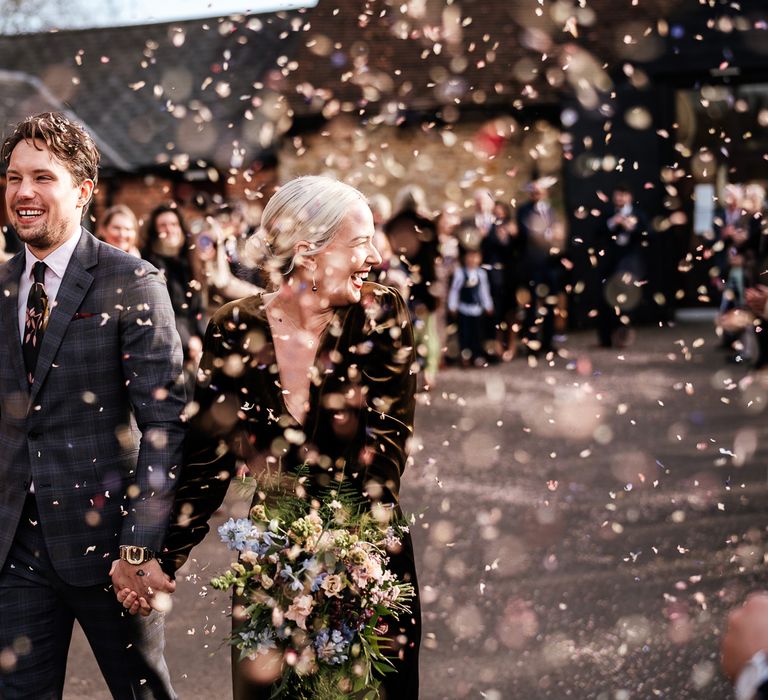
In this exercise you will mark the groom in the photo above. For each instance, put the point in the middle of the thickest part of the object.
(90, 434)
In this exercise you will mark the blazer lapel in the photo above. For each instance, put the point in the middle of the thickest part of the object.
(75, 285)
(10, 275)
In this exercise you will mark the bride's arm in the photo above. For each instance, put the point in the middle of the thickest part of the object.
(209, 458)
(390, 385)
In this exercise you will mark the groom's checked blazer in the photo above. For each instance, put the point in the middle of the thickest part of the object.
(110, 353)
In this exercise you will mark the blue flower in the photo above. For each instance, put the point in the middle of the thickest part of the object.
(331, 646)
(318, 580)
(236, 533)
(271, 540)
(260, 641)
(287, 575)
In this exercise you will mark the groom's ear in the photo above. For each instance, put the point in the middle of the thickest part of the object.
(86, 192)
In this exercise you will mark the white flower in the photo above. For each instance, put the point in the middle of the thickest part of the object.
(277, 616)
(249, 557)
(307, 662)
(332, 585)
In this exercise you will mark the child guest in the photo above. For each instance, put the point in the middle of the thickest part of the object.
(469, 298)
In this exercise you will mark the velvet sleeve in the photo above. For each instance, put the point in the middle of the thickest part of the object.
(209, 458)
(389, 379)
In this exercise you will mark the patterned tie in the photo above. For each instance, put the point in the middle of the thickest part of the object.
(35, 320)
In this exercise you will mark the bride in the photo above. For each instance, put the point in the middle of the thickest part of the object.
(318, 371)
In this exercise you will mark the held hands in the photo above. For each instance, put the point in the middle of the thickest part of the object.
(746, 634)
(136, 586)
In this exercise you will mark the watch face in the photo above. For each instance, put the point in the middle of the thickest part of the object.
(134, 555)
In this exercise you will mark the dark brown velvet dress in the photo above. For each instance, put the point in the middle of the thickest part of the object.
(360, 418)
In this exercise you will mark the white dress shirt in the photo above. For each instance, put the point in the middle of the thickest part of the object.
(56, 265)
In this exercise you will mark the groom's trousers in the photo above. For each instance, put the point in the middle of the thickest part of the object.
(37, 614)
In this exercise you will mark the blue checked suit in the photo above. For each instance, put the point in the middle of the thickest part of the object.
(99, 432)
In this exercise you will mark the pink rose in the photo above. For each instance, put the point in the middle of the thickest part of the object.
(299, 610)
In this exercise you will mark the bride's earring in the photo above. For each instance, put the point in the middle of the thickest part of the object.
(314, 284)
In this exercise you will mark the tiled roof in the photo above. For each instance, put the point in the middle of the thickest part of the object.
(219, 91)
(424, 53)
(187, 90)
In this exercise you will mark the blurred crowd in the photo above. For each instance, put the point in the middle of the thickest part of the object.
(491, 285)
(738, 254)
(484, 284)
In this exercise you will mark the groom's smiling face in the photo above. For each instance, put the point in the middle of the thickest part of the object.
(43, 201)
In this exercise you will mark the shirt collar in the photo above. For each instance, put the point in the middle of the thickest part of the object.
(58, 260)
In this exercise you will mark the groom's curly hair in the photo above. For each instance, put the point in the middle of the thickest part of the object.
(67, 141)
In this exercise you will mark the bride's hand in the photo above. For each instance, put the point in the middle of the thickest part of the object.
(135, 604)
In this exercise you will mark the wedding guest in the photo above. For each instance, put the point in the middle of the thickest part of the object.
(297, 348)
(167, 248)
(754, 206)
(238, 220)
(212, 264)
(469, 299)
(12, 242)
(744, 648)
(413, 238)
(757, 233)
(621, 266)
(89, 348)
(4, 254)
(391, 272)
(733, 258)
(447, 224)
(484, 214)
(542, 242)
(730, 229)
(381, 210)
(120, 228)
(501, 251)
(757, 301)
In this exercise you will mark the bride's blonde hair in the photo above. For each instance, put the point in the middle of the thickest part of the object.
(310, 208)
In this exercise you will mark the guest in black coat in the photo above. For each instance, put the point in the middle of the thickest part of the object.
(623, 230)
(167, 248)
(413, 237)
(542, 242)
(501, 258)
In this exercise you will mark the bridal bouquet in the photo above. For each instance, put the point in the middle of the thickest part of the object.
(313, 584)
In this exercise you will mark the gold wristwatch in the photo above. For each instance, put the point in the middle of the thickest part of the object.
(135, 555)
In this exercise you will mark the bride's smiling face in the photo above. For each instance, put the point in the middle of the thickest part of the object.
(346, 261)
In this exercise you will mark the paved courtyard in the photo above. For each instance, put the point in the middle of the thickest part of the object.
(580, 527)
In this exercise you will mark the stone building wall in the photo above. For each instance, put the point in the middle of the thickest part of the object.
(449, 163)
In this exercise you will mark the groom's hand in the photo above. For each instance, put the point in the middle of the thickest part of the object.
(136, 585)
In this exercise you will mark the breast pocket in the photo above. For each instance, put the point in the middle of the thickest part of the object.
(89, 324)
